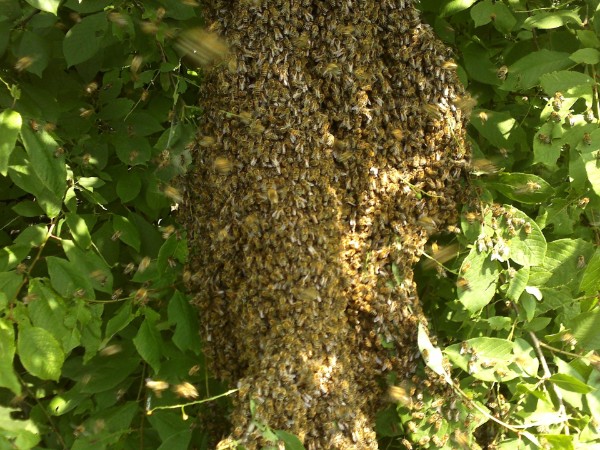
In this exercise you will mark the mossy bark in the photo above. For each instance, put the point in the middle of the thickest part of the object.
(331, 150)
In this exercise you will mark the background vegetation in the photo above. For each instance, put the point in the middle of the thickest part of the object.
(98, 343)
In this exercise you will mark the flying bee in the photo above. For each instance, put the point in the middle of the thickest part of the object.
(202, 47)
(449, 65)
(529, 187)
(272, 195)
(347, 30)
(157, 386)
(398, 134)
(186, 390)
(463, 284)
(502, 72)
(24, 63)
(173, 193)
(343, 157)
(144, 264)
(332, 70)
(483, 116)
(432, 111)
(223, 165)
(207, 141)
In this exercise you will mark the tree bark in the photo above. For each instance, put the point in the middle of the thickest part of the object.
(332, 148)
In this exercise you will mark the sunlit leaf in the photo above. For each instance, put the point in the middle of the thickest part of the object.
(40, 353)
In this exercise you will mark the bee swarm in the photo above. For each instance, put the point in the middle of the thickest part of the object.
(332, 148)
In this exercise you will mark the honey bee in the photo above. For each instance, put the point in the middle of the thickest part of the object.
(185, 390)
(587, 139)
(502, 72)
(544, 138)
(463, 284)
(24, 63)
(581, 262)
(272, 195)
(156, 386)
(449, 65)
(398, 134)
(144, 264)
(173, 193)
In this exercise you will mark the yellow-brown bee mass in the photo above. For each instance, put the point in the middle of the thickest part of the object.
(331, 150)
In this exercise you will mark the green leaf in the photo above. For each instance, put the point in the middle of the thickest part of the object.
(487, 11)
(526, 72)
(97, 270)
(494, 356)
(451, 7)
(8, 378)
(518, 283)
(526, 249)
(50, 6)
(585, 329)
(586, 56)
(547, 149)
(561, 265)
(501, 129)
(479, 66)
(173, 248)
(180, 439)
(50, 312)
(183, 316)
(68, 278)
(291, 441)
(149, 343)
(28, 208)
(590, 282)
(129, 186)
(10, 124)
(51, 170)
(17, 434)
(548, 20)
(133, 150)
(79, 230)
(118, 321)
(590, 155)
(569, 383)
(40, 353)
(35, 49)
(10, 283)
(523, 187)
(82, 41)
(480, 280)
(126, 231)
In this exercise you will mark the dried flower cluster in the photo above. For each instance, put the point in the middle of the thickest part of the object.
(332, 149)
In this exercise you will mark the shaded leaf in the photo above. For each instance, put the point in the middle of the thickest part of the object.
(10, 124)
(149, 343)
(8, 378)
(82, 41)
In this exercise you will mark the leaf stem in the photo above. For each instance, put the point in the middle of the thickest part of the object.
(196, 402)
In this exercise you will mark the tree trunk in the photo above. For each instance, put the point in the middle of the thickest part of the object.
(331, 150)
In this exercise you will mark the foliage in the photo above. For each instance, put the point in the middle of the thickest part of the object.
(515, 297)
(98, 342)
(97, 118)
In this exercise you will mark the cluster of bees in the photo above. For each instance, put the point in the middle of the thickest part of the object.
(332, 148)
